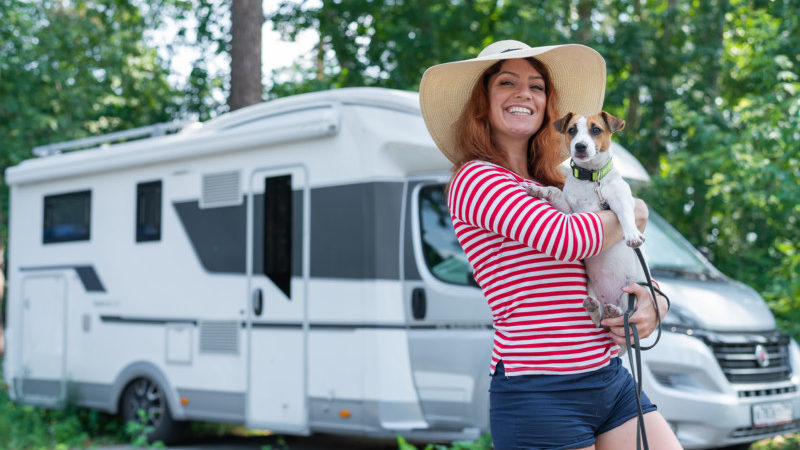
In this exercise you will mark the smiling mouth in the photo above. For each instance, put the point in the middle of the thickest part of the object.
(519, 111)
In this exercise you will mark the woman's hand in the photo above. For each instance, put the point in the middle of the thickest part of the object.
(644, 319)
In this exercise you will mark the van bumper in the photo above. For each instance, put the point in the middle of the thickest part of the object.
(682, 377)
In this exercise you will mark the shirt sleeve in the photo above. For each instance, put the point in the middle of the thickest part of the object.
(488, 197)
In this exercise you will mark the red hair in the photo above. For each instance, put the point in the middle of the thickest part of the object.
(474, 137)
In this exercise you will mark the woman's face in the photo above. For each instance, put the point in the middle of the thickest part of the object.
(517, 102)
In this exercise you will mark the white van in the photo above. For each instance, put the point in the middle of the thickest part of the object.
(292, 266)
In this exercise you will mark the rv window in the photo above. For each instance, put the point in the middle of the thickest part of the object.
(148, 211)
(67, 217)
(278, 231)
(443, 255)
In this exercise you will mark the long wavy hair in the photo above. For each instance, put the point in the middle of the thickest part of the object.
(475, 138)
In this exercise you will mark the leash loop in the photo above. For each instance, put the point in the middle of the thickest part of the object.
(631, 330)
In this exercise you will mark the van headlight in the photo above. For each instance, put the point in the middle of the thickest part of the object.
(679, 320)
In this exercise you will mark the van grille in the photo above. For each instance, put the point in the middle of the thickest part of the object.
(756, 433)
(752, 358)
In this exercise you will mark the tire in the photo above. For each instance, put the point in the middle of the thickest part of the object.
(144, 394)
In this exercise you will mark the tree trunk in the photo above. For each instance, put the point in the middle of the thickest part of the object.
(584, 34)
(247, 17)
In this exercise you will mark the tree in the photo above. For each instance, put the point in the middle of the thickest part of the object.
(74, 69)
(247, 18)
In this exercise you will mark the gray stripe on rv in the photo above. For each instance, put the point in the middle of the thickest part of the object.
(355, 233)
(214, 405)
(86, 273)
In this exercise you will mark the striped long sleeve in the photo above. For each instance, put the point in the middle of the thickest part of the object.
(527, 257)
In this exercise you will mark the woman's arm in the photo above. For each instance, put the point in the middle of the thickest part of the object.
(612, 230)
(487, 197)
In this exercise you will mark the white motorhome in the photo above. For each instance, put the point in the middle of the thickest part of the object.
(292, 266)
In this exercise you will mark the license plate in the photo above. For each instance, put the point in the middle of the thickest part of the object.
(775, 413)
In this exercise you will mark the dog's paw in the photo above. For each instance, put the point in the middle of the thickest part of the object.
(634, 241)
(610, 311)
(542, 192)
(551, 195)
(594, 309)
(591, 304)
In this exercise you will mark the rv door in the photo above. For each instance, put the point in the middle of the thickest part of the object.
(43, 334)
(277, 325)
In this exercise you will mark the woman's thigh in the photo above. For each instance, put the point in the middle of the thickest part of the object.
(623, 437)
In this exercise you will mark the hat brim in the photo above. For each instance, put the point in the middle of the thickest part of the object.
(577, 72)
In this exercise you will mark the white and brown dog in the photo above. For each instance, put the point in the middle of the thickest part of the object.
(593, 184)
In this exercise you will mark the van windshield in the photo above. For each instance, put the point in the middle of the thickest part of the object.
(667, 252)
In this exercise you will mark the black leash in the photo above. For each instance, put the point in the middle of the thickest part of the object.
(636, 366)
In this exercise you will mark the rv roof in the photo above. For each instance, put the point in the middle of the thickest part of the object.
(405, 101)
(207, 138)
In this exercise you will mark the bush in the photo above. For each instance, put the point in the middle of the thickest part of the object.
(23, 427)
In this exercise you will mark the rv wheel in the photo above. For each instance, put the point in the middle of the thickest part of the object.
(144, 395)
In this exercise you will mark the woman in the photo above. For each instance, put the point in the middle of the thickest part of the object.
(557, 381)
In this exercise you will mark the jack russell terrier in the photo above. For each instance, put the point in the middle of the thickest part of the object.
(593, 184)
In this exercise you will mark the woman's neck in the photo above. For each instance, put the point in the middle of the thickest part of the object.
(517, 160)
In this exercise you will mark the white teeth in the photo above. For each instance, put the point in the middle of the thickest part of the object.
(519, 110)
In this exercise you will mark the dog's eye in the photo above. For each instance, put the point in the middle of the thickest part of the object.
(596, 130)
(572, 131)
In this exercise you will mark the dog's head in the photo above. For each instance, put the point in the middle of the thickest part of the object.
(588, 135)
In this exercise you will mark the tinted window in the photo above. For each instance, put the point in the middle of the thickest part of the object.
(443, 254)
(278, 231)
(148, 211)
(67, 217)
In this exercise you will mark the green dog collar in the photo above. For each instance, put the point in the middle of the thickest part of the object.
(584, 174)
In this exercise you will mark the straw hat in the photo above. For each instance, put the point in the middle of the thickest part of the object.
(577, 72)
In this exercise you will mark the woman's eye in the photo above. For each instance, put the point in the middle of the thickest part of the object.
(537, 87)
(506, 83)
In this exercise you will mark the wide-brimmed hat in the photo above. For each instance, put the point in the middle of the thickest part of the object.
(577, 73)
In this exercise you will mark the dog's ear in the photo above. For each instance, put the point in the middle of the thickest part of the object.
(613, 123)
(562, 123)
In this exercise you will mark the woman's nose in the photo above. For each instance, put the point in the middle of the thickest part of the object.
(524, 93)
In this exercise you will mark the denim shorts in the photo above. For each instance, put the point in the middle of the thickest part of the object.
(560, 411)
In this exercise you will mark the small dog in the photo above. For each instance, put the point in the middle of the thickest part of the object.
(593, 184)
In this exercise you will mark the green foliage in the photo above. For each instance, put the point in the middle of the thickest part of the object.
(24, 427)
(788, 442)
(280, 444)
(75, 69)
(138, 430)
(730, 181)
(482, 443)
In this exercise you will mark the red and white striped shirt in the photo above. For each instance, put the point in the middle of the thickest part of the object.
(527, 257)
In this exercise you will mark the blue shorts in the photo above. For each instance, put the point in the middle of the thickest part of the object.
(560, 411)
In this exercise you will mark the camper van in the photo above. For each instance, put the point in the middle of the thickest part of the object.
(291, 266)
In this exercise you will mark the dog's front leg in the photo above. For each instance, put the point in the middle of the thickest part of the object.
(552, 195)
(620, 200)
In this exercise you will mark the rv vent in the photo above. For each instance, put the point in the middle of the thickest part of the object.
(221, 189)
(219, 336)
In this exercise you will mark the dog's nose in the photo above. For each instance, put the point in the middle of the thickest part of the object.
(580, 147)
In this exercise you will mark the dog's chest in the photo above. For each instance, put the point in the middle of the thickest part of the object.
(582, 195)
